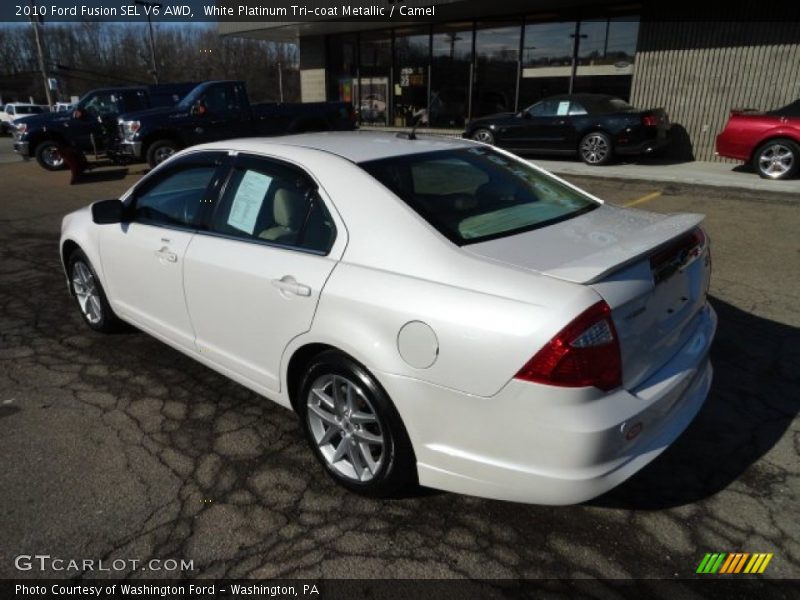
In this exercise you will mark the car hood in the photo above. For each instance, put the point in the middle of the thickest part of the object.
(590, 246)
(43, 119)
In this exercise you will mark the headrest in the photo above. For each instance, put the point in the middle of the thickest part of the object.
(287, 207)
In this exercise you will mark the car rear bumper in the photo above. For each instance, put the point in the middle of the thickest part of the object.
(647, 146)
(546, 445)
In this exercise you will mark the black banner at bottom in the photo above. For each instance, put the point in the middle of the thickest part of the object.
(379, 589)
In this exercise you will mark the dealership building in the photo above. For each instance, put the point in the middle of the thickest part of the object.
(477, 57)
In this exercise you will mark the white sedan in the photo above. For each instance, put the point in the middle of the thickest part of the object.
(436, 311)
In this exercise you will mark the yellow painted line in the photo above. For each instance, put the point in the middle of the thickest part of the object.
(643, 199)
(754, 562)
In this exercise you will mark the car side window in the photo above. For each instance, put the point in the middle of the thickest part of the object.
(102, 104)
(576, 108)
(176, 199)
(275, 203)
(545, 108)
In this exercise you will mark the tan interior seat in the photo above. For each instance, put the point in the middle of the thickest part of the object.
(287, 211)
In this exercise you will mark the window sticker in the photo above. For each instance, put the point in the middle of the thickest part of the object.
(248, 200)
(563, 108)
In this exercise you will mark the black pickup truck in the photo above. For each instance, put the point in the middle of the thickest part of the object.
(91, 128)
(218, 110)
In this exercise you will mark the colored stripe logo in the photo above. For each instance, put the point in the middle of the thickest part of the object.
(733, 563)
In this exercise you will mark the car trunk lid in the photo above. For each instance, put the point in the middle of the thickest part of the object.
(644, 265)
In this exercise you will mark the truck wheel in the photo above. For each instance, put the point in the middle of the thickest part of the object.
(777, 159)
(49, 157)
(160, 151)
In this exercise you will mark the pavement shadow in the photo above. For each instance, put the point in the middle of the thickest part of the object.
(97, 176)
(754, 398)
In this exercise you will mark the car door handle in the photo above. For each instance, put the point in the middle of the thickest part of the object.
(289, 284)
(165, 254)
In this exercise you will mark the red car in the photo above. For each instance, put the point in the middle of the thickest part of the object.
(770, 141)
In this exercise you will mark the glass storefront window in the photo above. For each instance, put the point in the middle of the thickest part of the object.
(606, 56)
(410, 87)
(372, 93)
(342, 67)
(451, 63)
(496, 68)
(546, 61)
(466, 69)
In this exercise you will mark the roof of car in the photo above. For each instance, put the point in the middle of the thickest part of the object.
(355, 146)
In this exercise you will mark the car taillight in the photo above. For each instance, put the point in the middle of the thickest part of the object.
(650, 121)
(585, 353)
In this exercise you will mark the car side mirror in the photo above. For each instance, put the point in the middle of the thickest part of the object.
(107, 212)
(78, 114)
(198, 109)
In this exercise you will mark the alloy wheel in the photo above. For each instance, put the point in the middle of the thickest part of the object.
(85, 288)
(594, 148)
(775, 160)
(346, 428)
(483, 135)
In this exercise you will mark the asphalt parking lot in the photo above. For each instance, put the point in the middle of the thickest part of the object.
(120, 447)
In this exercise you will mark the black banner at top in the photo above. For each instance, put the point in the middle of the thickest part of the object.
(387, 11)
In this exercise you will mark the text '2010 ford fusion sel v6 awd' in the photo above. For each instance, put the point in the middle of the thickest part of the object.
(436, 311)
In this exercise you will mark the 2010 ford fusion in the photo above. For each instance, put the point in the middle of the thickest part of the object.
(436, 311)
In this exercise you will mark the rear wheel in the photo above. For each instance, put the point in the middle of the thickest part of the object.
(89, 294)
(777, 159)
(160, 151)
(49, 156)
(354, 429)
(595, 149)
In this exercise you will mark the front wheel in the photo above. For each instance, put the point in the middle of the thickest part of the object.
(483, 135)
(160, 151)
(91, 297)
(49, 156)
(595, 149)
(777, 159)
(354, 429)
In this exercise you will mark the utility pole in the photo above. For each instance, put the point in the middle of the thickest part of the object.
(35, 23)
(280, 81)
(149, 10)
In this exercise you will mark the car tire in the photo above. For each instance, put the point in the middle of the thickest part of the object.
(777, 159)
(49, 157)
(483, 135)
(89, 294)
(354, 429)
(596, 149)
(160, 151)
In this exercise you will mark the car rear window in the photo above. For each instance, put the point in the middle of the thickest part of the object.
(476, 194)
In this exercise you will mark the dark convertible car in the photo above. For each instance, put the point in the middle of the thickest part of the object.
(596, 127)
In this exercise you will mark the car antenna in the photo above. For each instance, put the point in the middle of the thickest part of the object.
(422, 117)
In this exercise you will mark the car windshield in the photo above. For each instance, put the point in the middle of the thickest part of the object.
(476, 194)
(29, 110)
